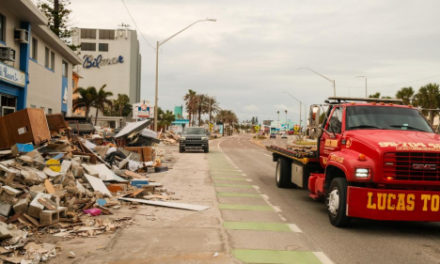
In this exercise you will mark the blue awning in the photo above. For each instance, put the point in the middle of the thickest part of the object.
(180, 122)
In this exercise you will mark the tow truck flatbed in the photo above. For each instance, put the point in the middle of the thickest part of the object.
(293, 154)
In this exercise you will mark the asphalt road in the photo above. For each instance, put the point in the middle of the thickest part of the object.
(364, 241)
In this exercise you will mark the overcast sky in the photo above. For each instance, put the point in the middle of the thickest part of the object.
(251, 55)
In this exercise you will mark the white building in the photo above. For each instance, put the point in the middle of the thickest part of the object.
(35, 65)
(111, 57)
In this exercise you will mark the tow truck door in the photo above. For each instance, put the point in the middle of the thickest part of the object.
(331, 135)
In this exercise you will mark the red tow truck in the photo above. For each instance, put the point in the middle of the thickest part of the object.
(373, 159)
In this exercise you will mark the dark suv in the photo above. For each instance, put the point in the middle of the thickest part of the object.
(194, 138)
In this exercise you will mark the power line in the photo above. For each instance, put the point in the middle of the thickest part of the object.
(135, 25)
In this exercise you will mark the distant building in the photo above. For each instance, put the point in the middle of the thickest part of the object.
(178, 112)
(35, 65)
(111, 57)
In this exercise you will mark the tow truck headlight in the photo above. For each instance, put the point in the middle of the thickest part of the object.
(182, 138)
(204, 138)
(362, 173)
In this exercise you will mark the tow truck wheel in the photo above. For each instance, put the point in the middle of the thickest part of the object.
(181, 149)
(336, 202)
(282, 173)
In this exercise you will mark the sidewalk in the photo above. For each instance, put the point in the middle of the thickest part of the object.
(164, 235)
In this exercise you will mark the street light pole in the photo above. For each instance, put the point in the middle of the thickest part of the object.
(158, 44)
(323, 76)
(157, 86)
(300, 106)
(365, 77)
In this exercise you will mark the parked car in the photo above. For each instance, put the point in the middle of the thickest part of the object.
(194, 138)
(273, 135)
(283, 135)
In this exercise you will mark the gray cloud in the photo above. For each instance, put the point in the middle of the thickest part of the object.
(251, 55)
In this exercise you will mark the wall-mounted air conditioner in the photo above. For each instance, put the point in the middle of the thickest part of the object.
(7, 54)
(21, 35)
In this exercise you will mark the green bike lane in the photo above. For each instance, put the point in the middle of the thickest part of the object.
(256, 230)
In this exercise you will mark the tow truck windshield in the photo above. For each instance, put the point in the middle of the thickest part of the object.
(385, 117)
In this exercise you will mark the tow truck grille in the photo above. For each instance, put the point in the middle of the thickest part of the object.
(412, 166)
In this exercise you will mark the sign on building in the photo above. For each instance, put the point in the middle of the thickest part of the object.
(143, 110)
(12, 75)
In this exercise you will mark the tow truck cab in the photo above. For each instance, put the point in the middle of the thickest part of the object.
(374, 160)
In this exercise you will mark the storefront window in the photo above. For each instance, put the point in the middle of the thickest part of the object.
(8, 104)
(8, 101)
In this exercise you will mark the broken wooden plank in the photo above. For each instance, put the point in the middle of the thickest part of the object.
(192, 207)
(97, 185)
(32, 220)
(136, 193)
(134, 175)
(49, 187)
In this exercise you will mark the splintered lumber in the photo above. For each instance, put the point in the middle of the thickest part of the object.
(98, 185)
(133, 174)
(49, 187)
(191, 207)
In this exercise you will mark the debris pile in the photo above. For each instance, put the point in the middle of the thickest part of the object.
(63, 184)
(169, 137)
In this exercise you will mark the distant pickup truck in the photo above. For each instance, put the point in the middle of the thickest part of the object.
(194, 138)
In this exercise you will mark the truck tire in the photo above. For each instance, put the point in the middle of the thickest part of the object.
(181, 149)
(337, 202)
(206, 150)
(283, 173)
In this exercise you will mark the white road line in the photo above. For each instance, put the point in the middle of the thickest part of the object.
(267, 155)
(257, 188)
(282, 218)
(248, 180)
(275, 208)
(294, 228)
(323, 258)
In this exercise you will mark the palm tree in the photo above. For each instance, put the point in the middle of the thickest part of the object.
(85, 99)
(428, 97)
(190, 103)
(165, 118)
(226, 117)
(212, 107)
(122, 105)
(406, 93)
(101, 101)
(202, 106)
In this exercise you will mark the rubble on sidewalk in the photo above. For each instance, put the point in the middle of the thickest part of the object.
(53, 182)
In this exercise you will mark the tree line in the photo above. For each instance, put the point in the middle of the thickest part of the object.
(100, 100)
(427, 98)
(198, 105)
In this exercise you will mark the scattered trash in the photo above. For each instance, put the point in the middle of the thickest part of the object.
(55, 182)
(93, 211)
